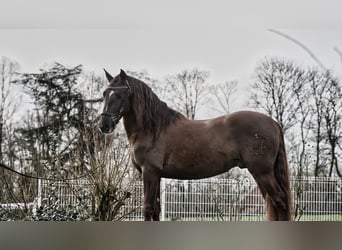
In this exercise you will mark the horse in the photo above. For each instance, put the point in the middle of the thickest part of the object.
(165, 144)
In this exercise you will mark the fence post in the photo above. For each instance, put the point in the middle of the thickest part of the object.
(162, 198)
(39, 198)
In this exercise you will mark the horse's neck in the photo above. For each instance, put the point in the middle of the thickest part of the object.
(132, 127)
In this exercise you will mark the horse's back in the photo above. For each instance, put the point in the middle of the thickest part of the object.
(250, 120)
(242, 126)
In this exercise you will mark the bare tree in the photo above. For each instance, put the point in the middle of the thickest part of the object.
(8, 106)
(272, 90)
(187, 90)
(107, 159)
(326, 122)
(223, 95)
(332, 127)
(112, 177)
(302, 117)
(318, 85)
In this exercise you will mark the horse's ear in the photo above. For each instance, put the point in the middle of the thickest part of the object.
(109, 77)
(123, 75)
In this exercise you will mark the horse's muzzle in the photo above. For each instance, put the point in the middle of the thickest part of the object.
(106, 129)
(108, 123)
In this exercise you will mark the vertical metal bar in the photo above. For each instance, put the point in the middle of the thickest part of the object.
(39, 200)
(162, 198)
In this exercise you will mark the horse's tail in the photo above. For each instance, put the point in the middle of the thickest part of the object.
(281, 173)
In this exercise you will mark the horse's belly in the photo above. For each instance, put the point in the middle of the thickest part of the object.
(193, 170)
(189, 160)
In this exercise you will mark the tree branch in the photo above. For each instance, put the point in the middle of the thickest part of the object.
(313, 56)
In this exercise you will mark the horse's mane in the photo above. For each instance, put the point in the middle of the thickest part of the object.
(153, 114)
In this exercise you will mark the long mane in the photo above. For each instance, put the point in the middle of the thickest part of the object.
(153, 114)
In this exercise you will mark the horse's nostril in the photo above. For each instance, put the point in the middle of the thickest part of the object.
(104, 129)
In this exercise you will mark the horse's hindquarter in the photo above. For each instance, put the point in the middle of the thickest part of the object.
(198, 149)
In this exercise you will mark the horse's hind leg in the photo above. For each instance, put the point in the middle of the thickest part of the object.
(275, 198)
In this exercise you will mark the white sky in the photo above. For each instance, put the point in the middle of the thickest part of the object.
(226, 38)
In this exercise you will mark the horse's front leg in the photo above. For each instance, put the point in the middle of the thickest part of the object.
(156, 206)
(151, 183)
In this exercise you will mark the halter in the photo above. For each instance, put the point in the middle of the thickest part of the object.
(118, 115)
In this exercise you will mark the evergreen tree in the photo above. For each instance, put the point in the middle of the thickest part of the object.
(59, 120)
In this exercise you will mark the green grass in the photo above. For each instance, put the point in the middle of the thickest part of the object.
(322, 217)
(327, 217)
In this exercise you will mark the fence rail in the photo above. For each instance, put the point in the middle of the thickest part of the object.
(222, 199)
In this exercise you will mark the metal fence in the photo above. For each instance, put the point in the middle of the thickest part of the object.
(217, 199)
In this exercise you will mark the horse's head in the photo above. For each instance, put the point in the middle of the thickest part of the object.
(116, 101)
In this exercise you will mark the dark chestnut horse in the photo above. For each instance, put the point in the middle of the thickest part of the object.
(166, 144)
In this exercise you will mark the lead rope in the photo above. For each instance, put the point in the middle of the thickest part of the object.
(39, 177)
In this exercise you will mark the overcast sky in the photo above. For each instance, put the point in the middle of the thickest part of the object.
(226, 38)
